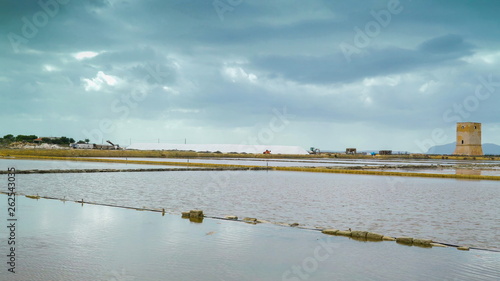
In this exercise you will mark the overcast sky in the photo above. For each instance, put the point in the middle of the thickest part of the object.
(330, 74)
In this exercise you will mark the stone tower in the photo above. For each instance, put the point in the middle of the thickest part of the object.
(468, 139)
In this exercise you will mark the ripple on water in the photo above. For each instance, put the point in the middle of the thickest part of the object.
(447, 210)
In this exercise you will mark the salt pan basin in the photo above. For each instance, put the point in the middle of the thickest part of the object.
(58, 240)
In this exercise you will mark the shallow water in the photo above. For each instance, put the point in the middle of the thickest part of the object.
(445, 210)
(66, 165)
(68, 241)
(477, 171)
(318, 162)
(257, 162)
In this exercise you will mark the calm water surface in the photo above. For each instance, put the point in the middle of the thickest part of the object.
(446, 210)
(477, 171)
(23, 164)
(68, 241)
(317, 161)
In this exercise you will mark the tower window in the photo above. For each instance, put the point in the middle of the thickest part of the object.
(462, 141)
(463, 127)
(475, 127)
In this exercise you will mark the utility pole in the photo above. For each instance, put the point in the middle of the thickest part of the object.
(185, 140)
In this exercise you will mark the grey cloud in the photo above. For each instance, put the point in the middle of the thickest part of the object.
(334, 68)
(435, 49)
(446, 44)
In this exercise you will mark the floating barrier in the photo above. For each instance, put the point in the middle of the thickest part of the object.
(404, 240)
(409, 241)
(422, 242)
(344, 233)
(193, 214)
(359, 234)
(197, 216)
(374, 236)
(330, 231)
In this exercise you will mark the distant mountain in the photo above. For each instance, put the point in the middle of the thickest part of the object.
(442, 149)
(488, 149)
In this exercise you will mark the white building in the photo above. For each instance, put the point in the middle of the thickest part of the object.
(82, 145)
(224, 148)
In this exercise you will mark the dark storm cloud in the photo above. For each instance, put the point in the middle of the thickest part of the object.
(447, 44)
(376, 62)
(204, 70)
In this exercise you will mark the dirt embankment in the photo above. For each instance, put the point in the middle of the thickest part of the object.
(29, 150)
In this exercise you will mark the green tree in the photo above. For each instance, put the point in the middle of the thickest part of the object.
(26, 138)
(9, 138)
(64, 140)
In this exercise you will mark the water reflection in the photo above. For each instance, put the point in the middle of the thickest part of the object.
(65, 241)
(195, 220)
(445, 210)
(66, 165)
(319, 161)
